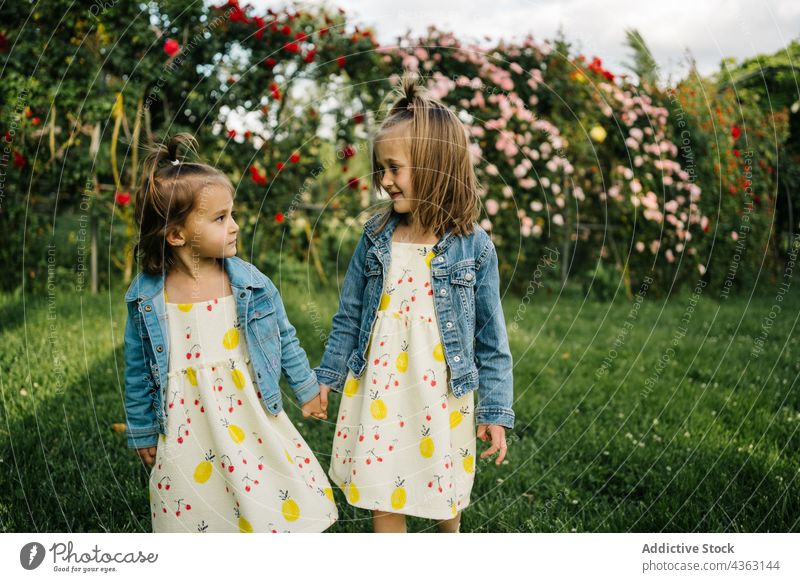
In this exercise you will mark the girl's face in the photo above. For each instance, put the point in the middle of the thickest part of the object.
(210, 230)
(394, 165)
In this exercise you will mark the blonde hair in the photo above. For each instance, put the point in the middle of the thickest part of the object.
(443, 176)
(167, 196)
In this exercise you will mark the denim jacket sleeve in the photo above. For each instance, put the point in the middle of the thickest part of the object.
(294, 361)
(492, 352)
(141, 423)
(346, 324)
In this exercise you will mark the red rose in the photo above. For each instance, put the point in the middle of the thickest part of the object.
(358, 118)
(353, 183)
(270, 62)
(292, 47)
(123, 198)
(19, 160)
(310, 56)
(276, 94)
(340, 60)
(280, 166)
(736, 153)
(231, 133)
(300, 36)
(294, 158)
(171, 47)
(348, 151)
(735, 132)
(279, 217)
(257, 177)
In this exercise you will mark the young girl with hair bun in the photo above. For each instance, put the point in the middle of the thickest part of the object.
(419, 329)
(206, 341)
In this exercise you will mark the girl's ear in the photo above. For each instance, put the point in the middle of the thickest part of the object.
(176, 237)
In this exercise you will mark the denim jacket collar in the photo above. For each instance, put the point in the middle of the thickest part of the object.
(383, 238)
(240, 273)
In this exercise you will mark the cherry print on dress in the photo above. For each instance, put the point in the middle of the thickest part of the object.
(194, 351)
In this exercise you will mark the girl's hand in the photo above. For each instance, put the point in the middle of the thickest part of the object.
(323, 396)
(147, 454)
(314, 408)
(497, 434)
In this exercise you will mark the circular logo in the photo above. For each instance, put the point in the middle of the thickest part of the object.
(31, 555)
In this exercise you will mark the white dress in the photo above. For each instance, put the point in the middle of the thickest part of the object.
(404, 443)
(226, 464)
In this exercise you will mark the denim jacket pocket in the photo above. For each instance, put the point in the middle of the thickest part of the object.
(258, 318)
(372, 264)
(263, 324)
(462, 280)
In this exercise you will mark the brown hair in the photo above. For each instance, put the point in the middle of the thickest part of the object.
(443, 177)
(167, 196)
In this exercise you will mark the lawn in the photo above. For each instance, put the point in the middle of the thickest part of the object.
(687, 431)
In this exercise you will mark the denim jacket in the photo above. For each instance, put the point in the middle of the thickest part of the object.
(271, 341)
(466, 288)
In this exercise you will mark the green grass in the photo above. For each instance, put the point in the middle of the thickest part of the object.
(712, 446)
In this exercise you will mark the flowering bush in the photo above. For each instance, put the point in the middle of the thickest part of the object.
(618, 176)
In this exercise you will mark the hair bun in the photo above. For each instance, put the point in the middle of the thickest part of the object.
(178, 140)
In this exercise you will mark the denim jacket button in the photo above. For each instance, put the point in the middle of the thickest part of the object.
(160, 349)
(242, 294)
(443, 292)
(148, 307)
(468, 276)
(449, 324)
(457, 359)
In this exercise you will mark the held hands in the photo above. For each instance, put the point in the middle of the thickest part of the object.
(497, 435)
(147, 454)
(317, 406)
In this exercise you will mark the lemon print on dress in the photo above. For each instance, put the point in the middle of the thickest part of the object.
(191, 375)
(457, 416)
(288, 457)
(235, 432)
(202, 472)
(352, 492)
(429, 258)
(231, 338)
(402, 358)
(237, 376)
(244, 525)
(468, 460)
(426, 443)
(185, 307)
(289, 507)
(385, 300)
(328, 491)
(438, 352)
(378, 407)
(351, 387)
(398, 499)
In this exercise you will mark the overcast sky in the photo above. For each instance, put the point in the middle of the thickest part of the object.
(711, 29)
